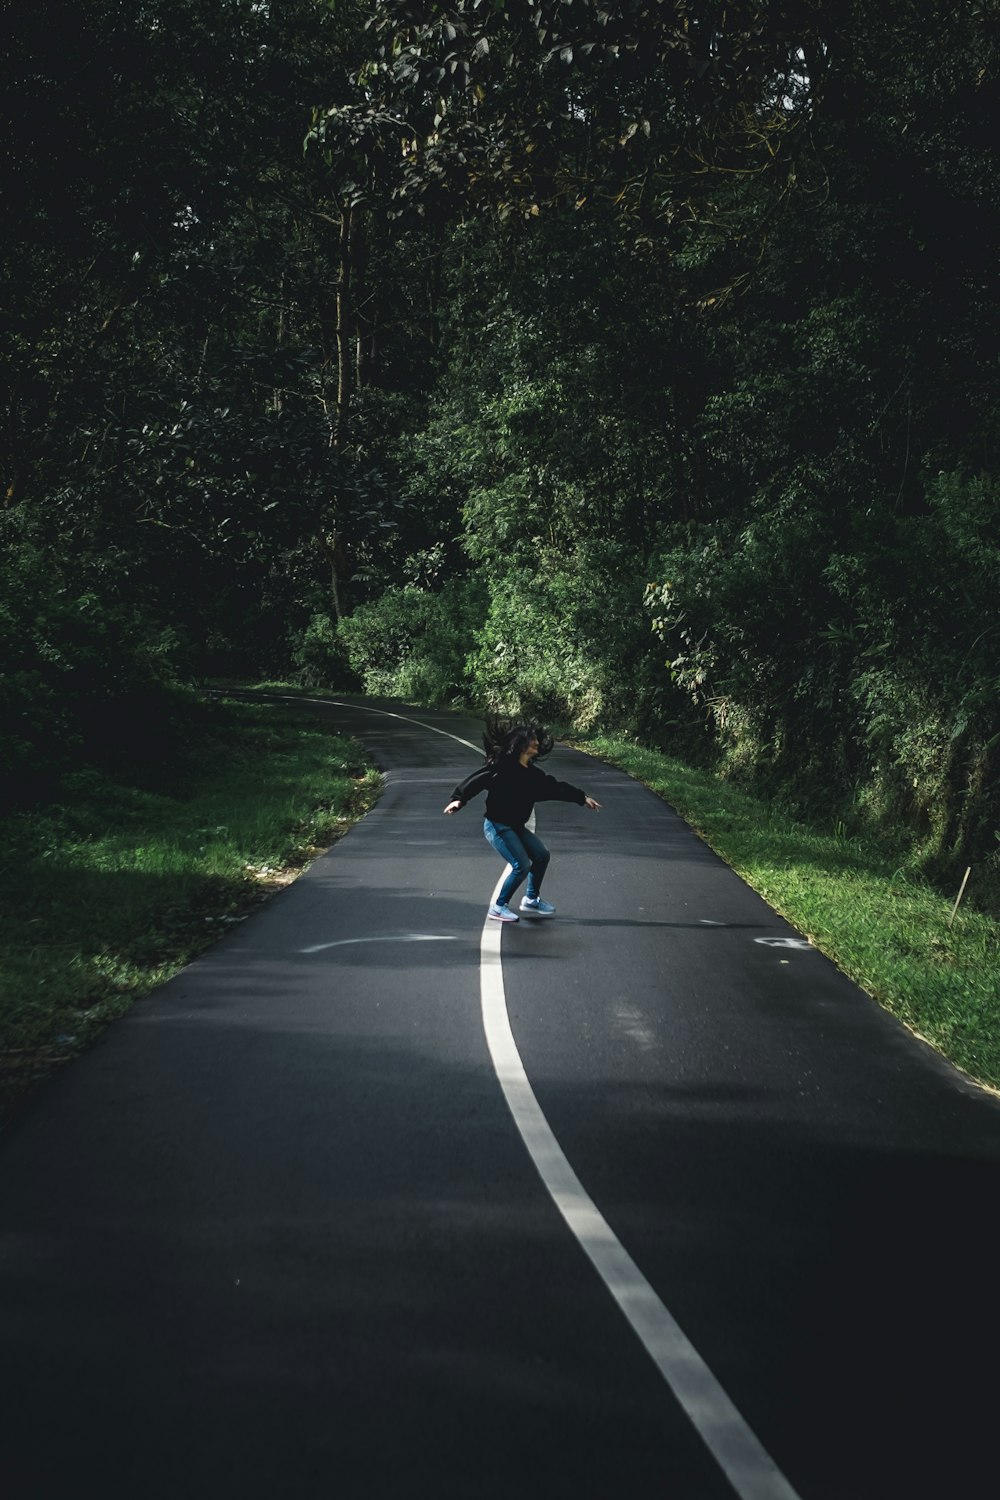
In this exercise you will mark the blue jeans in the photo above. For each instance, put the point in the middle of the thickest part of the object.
(523, 851)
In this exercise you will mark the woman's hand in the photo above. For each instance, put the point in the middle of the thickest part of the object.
(453, 806)
(589, 802)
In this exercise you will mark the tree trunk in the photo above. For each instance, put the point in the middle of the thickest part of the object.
(344, 329)
(361, 313)
(331, 541)
(277, 400)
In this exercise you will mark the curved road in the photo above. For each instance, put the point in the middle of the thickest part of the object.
(279, 1233)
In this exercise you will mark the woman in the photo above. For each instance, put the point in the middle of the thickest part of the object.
(513, 784)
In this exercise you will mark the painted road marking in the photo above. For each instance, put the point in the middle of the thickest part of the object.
(750, 1470)
(383, 711)
(784, 942)
(398, 937)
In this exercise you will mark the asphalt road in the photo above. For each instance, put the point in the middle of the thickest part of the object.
(278, 1233)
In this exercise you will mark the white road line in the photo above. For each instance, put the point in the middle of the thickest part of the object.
(337, 703)
(750, 1470)
(399, 937)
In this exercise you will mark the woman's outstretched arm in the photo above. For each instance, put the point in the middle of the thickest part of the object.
(470, 787)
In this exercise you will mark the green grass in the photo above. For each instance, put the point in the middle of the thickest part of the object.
(110, 890)
(882, 925)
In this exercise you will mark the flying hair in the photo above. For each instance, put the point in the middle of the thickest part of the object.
(504, 739)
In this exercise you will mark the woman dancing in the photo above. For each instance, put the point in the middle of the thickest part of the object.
(513, 784)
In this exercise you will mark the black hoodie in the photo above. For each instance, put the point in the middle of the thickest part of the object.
(512, 790)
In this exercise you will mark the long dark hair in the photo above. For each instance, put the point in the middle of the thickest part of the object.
(504, 740)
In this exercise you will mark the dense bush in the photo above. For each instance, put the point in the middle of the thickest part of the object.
(413, 643)
(84, 678)
(862, 681)
(319, 656)
(566, 638)
(928, 692)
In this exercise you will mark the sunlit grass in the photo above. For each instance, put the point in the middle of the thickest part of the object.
(883, 926)
(110, 891)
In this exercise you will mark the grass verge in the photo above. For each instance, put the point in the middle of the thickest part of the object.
(110, 890)
(884, 927)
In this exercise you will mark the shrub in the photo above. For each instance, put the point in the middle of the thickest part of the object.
(414, 643)
(84, 679)
(320, 656)
(568, 642)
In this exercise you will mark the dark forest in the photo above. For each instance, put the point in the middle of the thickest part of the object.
(632, 365)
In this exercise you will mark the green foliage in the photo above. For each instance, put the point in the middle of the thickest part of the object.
(83, 678)
(319, 656)
(566, 640)
(170, 375)
(557, 302)
(928, 693)
(412, 643)
(867, 675)
(558, 101)
(551, 451)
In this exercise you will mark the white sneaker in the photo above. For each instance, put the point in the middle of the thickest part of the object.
(502, 913)
(534, 906)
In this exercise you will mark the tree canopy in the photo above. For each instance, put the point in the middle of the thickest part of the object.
(633, 363)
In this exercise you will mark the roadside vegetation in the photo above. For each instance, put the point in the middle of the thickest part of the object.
(110, 888)
(863, 903)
